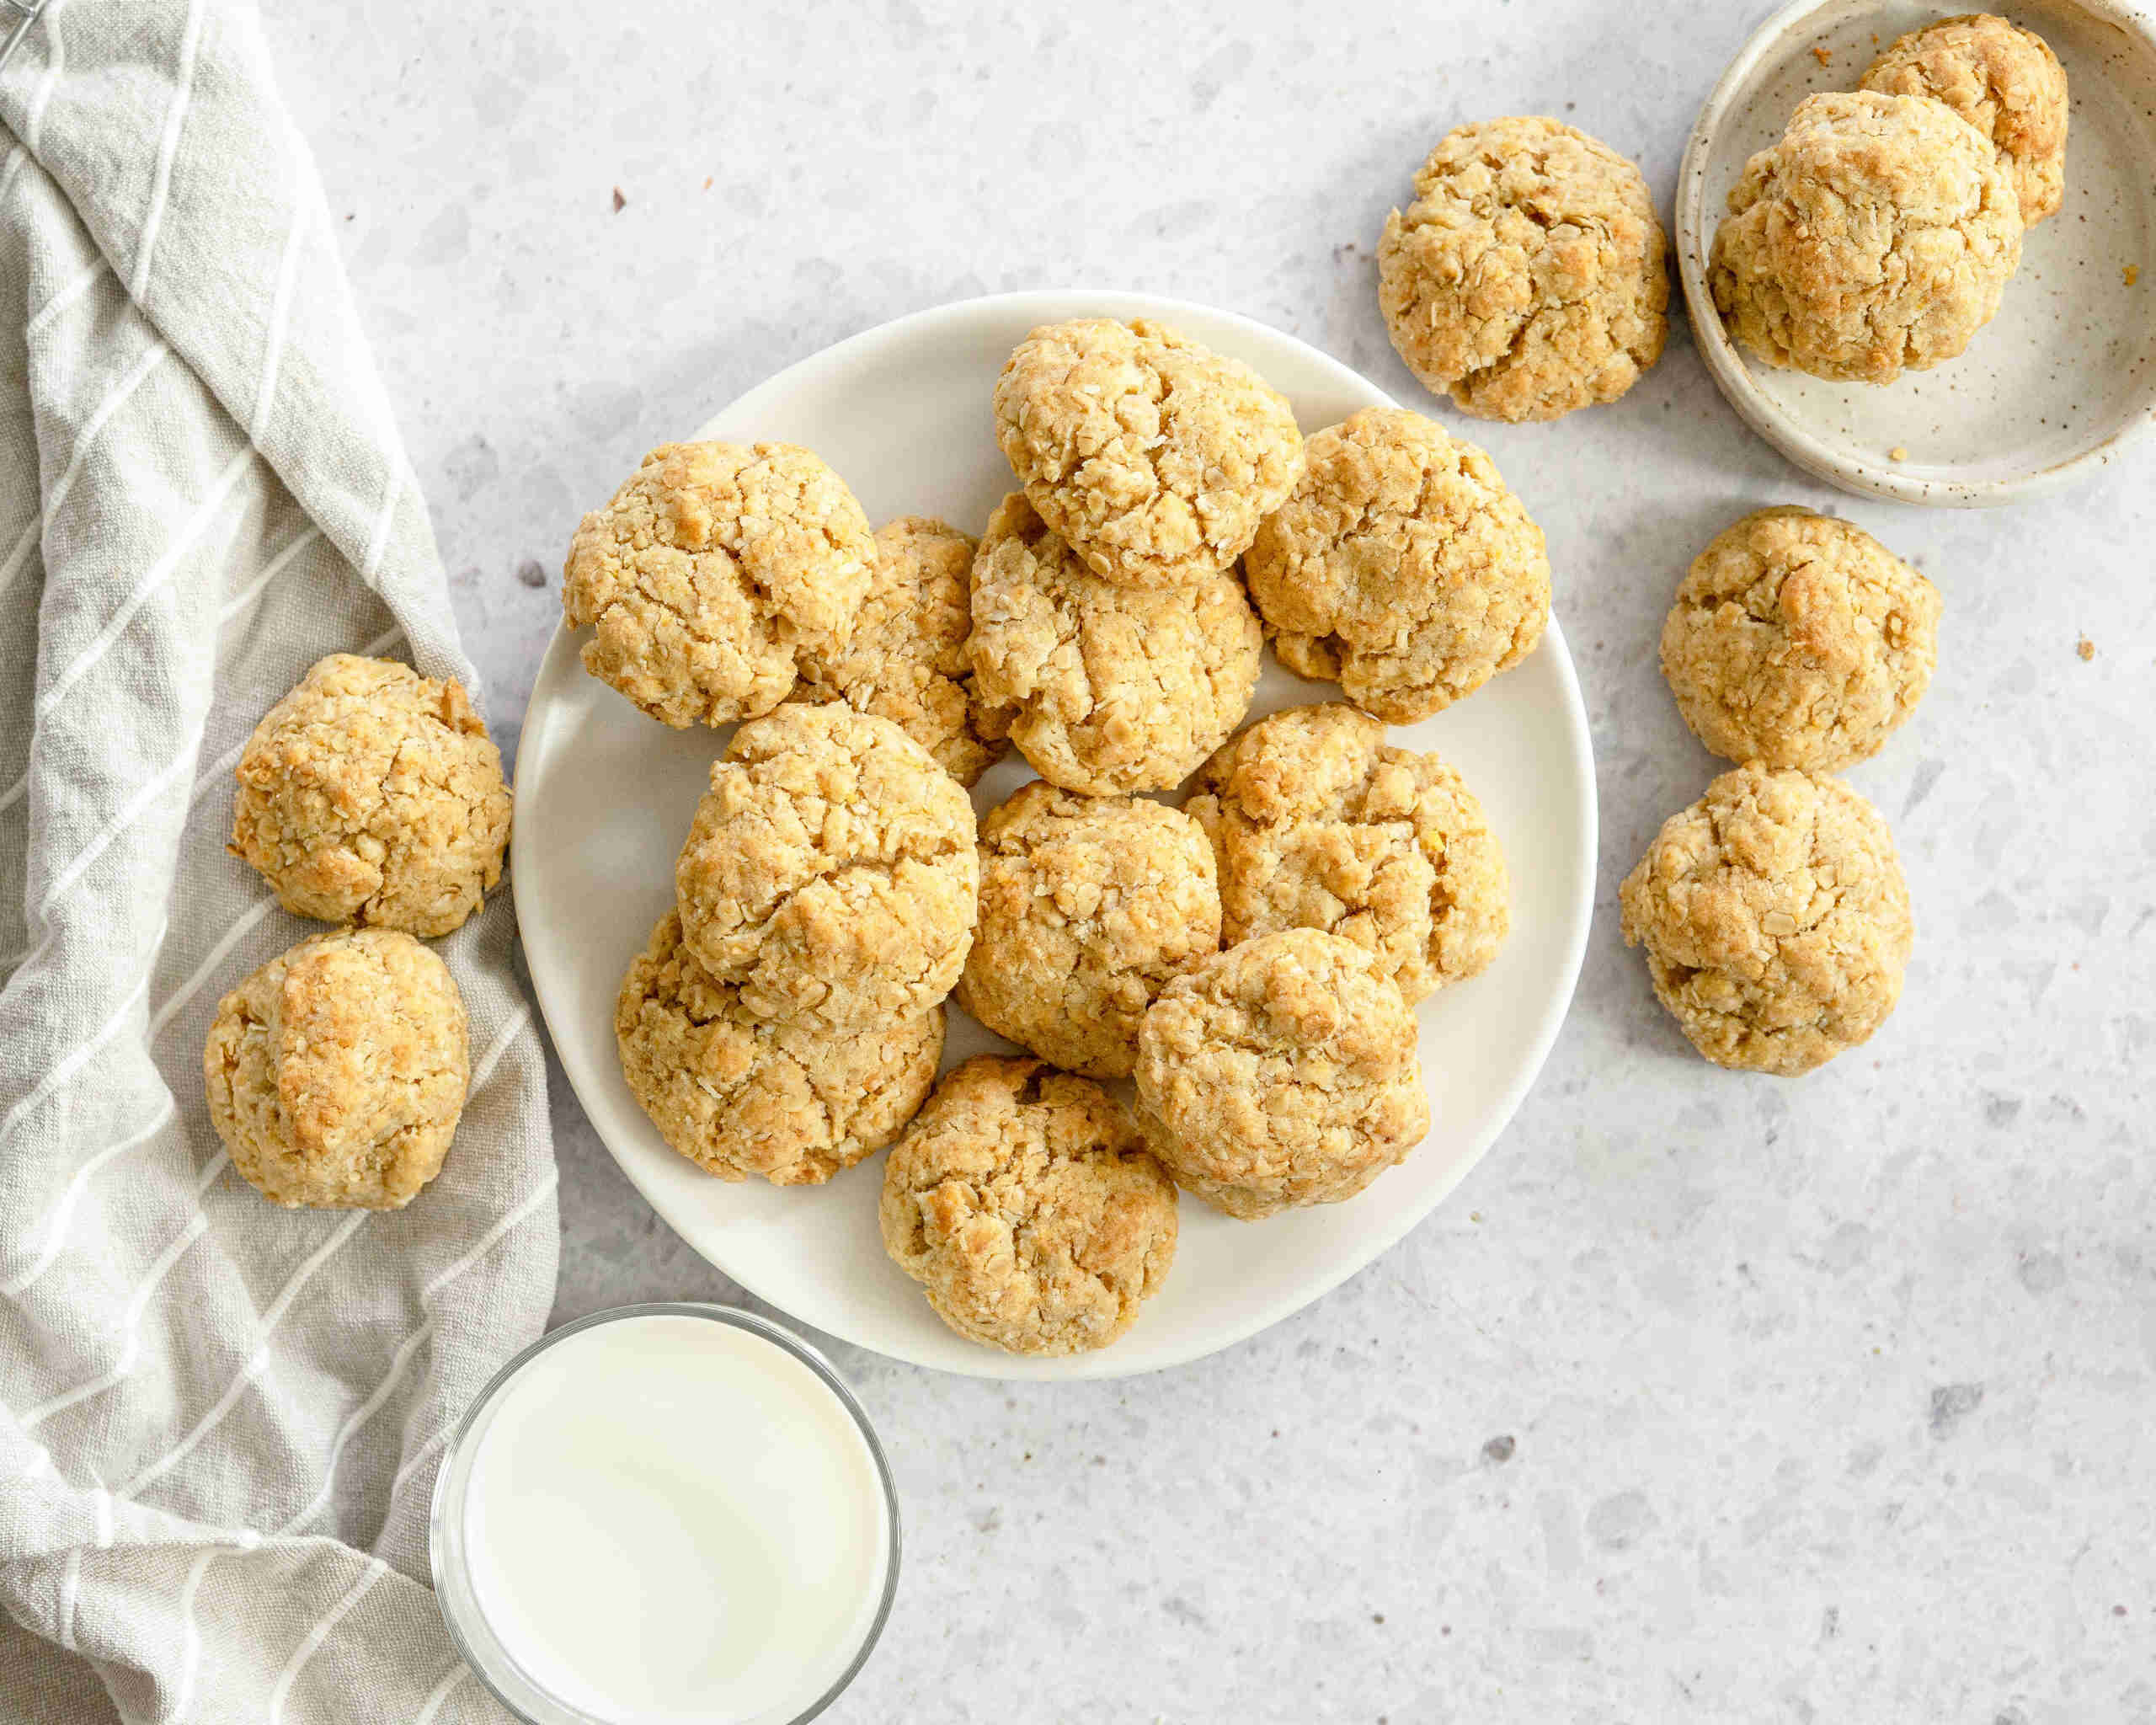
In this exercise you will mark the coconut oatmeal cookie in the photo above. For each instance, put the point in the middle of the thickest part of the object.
(370, 794)
(2004, 81)
(738, 1095)
(1089, 907)
(1775, 920)
(1403, 567)
(1877, 235)
(1526, 279)
(714, 570)
(829, 872)
(1318, 823)
(335, 1073)
(1799, 640)
(906, 660)
(1153, 457)
(1025, 1203)
(1281, 1073)
(1111, 688)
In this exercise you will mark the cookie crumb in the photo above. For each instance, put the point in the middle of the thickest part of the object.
(621, 203)
(707, 182)
(2132, 273)
(1899, 452)
(2087, 649)
(1822, 56)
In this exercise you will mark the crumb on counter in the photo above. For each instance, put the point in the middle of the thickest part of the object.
(1823, 57)
(2086, 647)
(621, 203)
(2132, 273)
(1899, 452)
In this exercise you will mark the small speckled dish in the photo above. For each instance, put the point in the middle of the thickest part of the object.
(2056, 386)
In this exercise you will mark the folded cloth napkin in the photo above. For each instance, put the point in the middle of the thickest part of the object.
(219, 1420)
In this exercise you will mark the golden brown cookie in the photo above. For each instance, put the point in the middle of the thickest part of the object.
(2004, 81)
(1318, 823)
(1799, 640)
(713, 571)
(1876, 236)
(1282, 1072)
(1155, 458)
(370, 794)
(906, 660)
(335, 1073)
(1403, 568)
(1023, 1200)
(1775, 920)
(1526, 279)
(829, 873)
(1089, 907)
(739, 1095)
(1111, 688)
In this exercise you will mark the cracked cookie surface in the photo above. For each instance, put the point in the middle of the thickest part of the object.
(741, 1096)
(1876, 236)
(1025, 1203)
(1154, 458)
(1089, 907)
(1799, 640)
(1775, 920)
(335, 1073)
(829, 873)
(370, 794)
(906, 660)
(714, 570)
(2004, 81)
(1403, 568)
(1527, 277)
(1281, 1073)
(1111, 688)
(1318, 823)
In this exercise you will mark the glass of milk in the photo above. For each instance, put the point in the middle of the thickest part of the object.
(663, 1513)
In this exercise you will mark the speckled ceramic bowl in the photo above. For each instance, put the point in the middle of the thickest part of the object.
(2053, 389)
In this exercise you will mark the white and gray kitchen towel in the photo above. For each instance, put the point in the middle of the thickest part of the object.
(219, 1420)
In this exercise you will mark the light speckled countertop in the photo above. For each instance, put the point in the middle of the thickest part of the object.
(1707, 1397)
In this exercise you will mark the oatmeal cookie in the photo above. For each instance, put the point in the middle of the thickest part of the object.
(1089, 907)
(1403, 568)
(1153, 457)
(1282, 1072)
(1877, 235)
(1113, 688)
(370, 794)
(739, 1095)
(907, 661)
(1799, 640)
(1775, 920)
(335, 1073)
(1024, 1201)
(2004, 81)
(1318, 823)
(829, 873)
(715, 570)
(1526, 279)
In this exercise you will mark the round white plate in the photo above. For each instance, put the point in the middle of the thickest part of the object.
(603, 796)
(2053, 388)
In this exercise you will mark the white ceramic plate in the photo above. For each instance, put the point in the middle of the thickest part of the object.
(2055, 386)
(603, 796)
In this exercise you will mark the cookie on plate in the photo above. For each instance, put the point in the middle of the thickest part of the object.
(1526, 279)
(1025, 1203)
(1318, 822)
(829, 872)
(2004, 81)
(1799, 640)
(1775, 920)
(1089, 907)
(739, 1096)
(335, 1073)
(1403, 568)
(1876, 236)
(1281, 1073)
(1111, 688)
(906, 660)
(1155, 458)
(370, 794)
(715, 569)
